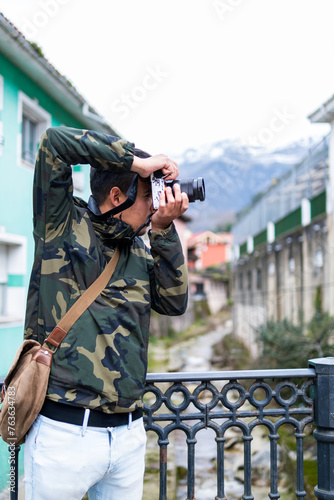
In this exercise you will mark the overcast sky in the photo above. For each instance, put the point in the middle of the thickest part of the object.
(171, 75)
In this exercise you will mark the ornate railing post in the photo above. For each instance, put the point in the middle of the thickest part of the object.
(324, 420)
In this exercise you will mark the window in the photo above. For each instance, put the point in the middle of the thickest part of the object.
(12, 272)
(34, 120)
(199, 288)
(29, 139)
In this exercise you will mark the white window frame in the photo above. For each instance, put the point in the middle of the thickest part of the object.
(33, 111)
(14, 297)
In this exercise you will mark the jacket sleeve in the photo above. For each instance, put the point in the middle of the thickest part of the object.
(168, 273)
(61, 147)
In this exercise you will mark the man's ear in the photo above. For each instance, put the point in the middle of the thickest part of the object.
(116, 196)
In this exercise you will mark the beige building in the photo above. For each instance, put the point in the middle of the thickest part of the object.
(283, 245)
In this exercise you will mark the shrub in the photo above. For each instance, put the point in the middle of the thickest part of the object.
(285, 345)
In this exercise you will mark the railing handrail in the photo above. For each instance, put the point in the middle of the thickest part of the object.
(224, 375)
(230, 375)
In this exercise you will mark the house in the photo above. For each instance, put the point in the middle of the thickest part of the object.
(208, 255)
(33, 96)
(207, 249)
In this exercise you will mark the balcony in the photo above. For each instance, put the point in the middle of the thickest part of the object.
(190, 402)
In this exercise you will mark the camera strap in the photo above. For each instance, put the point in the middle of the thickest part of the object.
(107, 216)
(147, 223)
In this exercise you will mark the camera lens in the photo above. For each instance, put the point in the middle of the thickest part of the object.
(194, 188)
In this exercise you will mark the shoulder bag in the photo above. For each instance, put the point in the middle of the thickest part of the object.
(25, 386)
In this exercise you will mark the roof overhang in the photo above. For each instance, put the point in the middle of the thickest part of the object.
(324, 114)
(18, 50)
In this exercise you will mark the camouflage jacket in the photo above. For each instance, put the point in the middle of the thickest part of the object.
(102, 361)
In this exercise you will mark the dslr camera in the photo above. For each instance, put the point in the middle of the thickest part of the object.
(194, 188)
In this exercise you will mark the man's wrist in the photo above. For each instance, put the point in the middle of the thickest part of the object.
(138, 165)
(158, 229)
(162, 231)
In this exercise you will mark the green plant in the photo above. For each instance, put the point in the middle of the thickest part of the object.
(231, 352)
(318, 300)
(285, 345)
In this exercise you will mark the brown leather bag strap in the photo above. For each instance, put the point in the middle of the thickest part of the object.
(79, 307)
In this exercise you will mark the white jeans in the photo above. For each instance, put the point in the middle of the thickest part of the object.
(64, 461)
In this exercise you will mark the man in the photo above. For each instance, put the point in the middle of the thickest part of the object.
(90, 434)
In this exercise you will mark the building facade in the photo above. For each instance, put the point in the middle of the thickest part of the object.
(208, 257)
(282, 250)
(208, 249)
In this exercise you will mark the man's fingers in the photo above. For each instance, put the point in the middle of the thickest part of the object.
(171, 205)
(173, 201)
(185, 201)
(170, 197)
(145, 166)
(177, 194)
(162, 200)
(170, 170)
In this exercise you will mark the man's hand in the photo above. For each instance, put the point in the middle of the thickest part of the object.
(171, 206)
(145, 166)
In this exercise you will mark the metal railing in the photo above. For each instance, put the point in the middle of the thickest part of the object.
(190, 402)
(221, 400)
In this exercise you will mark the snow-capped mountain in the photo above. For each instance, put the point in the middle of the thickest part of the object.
(234, 173)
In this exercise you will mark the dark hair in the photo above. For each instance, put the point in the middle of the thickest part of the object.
(102, 181)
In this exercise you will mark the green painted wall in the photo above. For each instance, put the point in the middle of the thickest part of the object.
(10, 340)
(16, 181)
(4, 466)
(289, 222)
(318, 205)
(243, 248)
(19, 81)
(260, 238)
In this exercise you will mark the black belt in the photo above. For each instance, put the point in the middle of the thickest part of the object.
(75, 415)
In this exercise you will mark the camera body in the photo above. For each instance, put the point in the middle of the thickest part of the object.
(194, 188)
